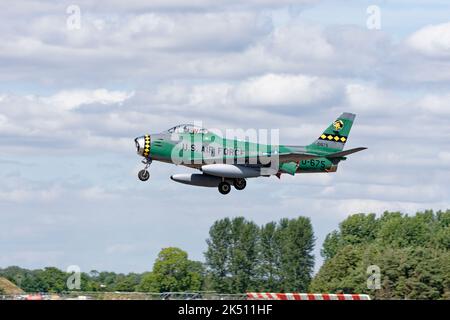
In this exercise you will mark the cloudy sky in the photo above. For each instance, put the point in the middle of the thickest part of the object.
(73, 99)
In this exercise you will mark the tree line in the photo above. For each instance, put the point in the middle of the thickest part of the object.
(51, 279)
(241, 256)
(409, 253)
(276, 257)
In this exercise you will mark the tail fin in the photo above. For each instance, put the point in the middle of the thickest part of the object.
(336, 135)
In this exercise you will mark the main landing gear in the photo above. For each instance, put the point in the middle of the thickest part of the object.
(144, 175)
(225, 188)
(240, 183)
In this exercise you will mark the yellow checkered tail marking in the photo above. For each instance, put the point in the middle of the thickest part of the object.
(333, 137)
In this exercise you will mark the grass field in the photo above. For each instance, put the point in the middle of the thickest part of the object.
(9, 288)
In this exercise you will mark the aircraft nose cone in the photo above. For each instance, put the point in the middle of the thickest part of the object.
(143, 145)
(138, 142)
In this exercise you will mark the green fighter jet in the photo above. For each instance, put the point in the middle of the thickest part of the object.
(224, 162)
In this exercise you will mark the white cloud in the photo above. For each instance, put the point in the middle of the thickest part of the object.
(70, 99)
(281, 90)
(436, 104)
(161, 45)
(52, 120)
(432, 40)
(444, 156)
(371, 99)
(274, 93)
(31, 194)
(300, 42)
(179, 5)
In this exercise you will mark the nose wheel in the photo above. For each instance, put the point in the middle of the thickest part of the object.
(144, 175)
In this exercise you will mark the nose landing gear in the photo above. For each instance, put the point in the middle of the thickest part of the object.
(144, 175)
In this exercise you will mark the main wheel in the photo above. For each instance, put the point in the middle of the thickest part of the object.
(239, 184)
(144, 175)
(224, 187)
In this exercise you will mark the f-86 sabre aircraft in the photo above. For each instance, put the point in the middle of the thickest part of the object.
(224, 162)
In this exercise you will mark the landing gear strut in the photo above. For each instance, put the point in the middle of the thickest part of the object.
(144, 175)
(239, 183)
(224, 187)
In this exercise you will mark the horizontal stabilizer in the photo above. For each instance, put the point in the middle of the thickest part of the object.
(345, 153)
(297, 156)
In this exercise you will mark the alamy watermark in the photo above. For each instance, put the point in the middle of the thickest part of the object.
(74, 280)
(374, 277)
(373, 21)
(73, 21)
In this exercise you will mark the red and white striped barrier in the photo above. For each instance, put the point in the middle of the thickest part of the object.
(305, 296)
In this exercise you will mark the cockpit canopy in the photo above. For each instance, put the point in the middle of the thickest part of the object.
(187, 128)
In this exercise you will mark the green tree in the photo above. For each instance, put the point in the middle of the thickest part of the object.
(403, 231)
(107, 280)
(341, 274)
(88, 283)
(51, 280)
(127, 283)
(218, 254)
(243, 257)
(232, 255)
(356, 229)
(173, 272)
(411, 252)
(295, 241)
(270, 259)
